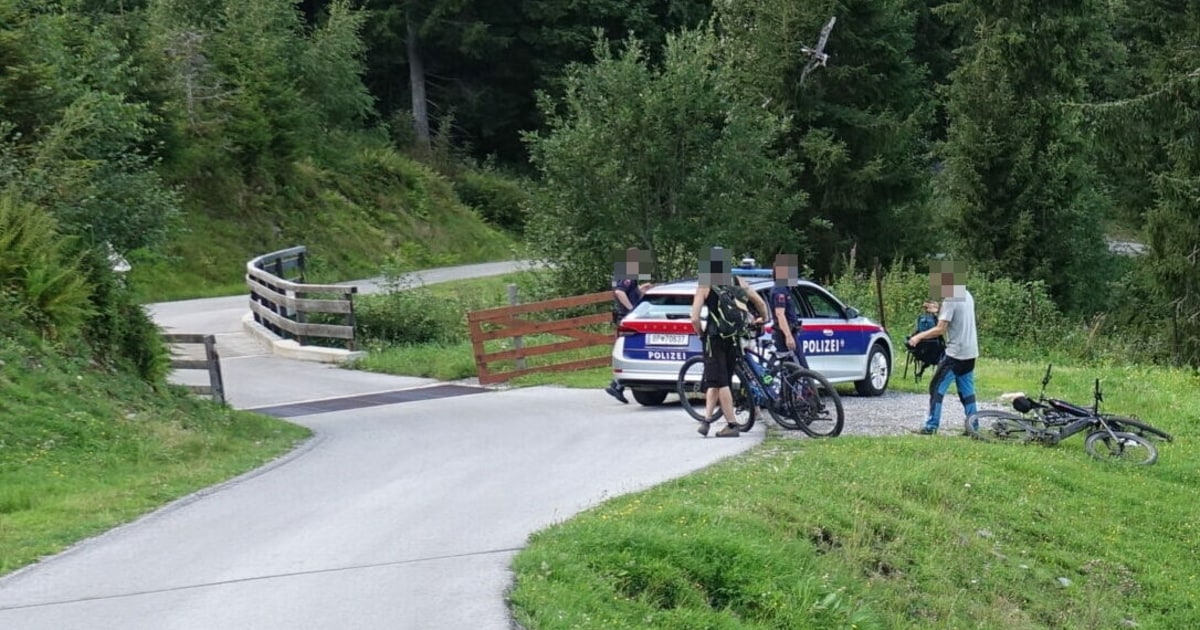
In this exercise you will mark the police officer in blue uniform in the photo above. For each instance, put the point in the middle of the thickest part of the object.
(627, 293)
(783, 305)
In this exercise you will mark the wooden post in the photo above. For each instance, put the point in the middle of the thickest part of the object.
(879, 294)
(277, 271)
(1176, 353)
(351, 344)
(1033, 312)
(299, 316)
(214, 369)
(518, 341)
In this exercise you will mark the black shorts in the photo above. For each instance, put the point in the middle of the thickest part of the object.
(720, 354)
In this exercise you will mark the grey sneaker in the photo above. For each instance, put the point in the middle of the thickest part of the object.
(925, 431)
(730, 430)
(703, 429)
(618, 393)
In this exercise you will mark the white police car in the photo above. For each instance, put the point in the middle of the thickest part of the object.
(656, 338)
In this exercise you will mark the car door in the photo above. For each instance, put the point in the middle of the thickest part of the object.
(833, 346)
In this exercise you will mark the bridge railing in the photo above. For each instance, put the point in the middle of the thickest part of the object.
(284, 304)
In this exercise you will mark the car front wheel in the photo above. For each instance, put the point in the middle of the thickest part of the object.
(879, 369)
(649, 398)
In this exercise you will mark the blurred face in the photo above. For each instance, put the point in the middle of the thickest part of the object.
(787, 270)
(633, 263)
(944, 276)
(715, 267)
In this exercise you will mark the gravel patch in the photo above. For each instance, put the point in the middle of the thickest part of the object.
(897, 413)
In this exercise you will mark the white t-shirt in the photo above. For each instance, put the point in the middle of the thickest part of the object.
(959, 314)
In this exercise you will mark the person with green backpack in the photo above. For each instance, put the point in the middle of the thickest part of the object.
(728, 321)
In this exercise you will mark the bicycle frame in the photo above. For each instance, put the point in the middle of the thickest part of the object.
(1050, 421)
(744, 368)
(1062, 419)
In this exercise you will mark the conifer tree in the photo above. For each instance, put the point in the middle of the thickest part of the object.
(858, 124)
(1018, 190)
(1169, 106)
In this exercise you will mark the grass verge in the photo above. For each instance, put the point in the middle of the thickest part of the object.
(897, 532)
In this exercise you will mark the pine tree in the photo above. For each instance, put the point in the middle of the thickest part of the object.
(859, 123)
(1169, 106)
(1018, 190)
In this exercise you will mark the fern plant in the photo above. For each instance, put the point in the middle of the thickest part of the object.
(38, 274)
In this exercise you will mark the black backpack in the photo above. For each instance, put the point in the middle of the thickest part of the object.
(924, 354)
(730, 318)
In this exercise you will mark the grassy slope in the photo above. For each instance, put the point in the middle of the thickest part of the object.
(391, 210)
(897, 532)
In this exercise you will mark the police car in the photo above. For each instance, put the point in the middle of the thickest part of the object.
(656, 338)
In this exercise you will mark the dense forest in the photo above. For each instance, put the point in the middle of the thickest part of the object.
(1018, 136)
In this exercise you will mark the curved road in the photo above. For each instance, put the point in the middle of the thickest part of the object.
(401, 512)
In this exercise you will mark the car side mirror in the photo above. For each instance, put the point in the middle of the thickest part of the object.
(852, 313)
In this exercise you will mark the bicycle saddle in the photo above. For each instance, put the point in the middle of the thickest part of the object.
(1024, 404)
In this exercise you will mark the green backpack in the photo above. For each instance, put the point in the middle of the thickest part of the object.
(730, 318)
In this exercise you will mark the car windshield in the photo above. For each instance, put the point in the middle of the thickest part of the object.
(664, 306)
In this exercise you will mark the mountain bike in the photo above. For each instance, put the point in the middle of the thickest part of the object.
(1051, 420)
(796, 398)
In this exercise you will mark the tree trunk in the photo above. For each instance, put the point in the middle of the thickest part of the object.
(416, 79)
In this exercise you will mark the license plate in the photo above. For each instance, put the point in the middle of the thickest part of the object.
(666, 340)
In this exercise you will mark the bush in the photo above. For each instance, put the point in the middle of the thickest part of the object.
(1016, 320)
(410, 316)
(501, 201)
(120, 332)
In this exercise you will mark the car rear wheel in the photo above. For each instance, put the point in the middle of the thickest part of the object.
(649, 397)
(879, 370)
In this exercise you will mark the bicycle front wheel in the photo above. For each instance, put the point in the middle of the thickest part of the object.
(780, 408)
(1137, 427)
(743, 406)
(691, 390)
(812, 402)
(1120, 447)
(992, 425)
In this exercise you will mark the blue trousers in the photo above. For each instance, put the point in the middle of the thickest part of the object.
(961, 372)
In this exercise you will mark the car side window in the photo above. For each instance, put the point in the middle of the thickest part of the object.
(821, 305)
(802, 308)
(766, 298)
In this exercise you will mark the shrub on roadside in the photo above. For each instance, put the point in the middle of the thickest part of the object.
(1016, 320)
(500, 200)
(410, 316)
(119, 331)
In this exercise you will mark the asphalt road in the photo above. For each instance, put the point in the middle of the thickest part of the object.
(401, 515)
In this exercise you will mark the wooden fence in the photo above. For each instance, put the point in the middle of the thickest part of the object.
(504, 323)
(283, 303)
(211, 363)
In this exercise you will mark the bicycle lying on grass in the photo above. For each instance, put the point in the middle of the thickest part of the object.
(796, 398)
(1051, 420)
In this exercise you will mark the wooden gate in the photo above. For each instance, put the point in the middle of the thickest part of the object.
(504, 323)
